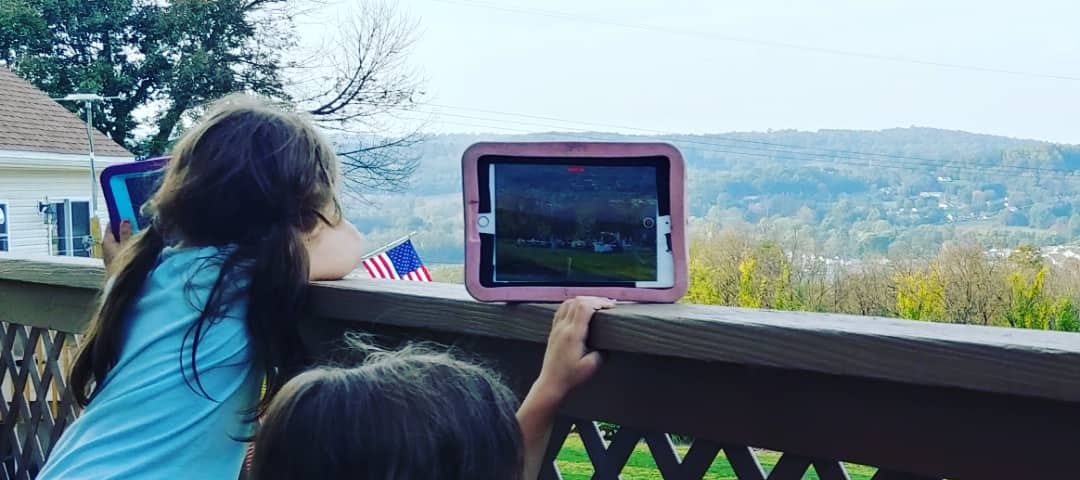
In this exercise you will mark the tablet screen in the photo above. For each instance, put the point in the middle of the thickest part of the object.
(578, 222)
(140, 188)
(131, 191)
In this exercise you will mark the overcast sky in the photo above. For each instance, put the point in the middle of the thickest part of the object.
(699, 66)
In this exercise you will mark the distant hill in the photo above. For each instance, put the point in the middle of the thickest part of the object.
(839, 192)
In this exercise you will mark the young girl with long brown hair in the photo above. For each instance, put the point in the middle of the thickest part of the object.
(202, 306)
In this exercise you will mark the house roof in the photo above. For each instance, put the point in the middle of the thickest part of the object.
(31, 121)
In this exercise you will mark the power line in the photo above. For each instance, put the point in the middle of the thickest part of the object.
(767, 153)
(581, 137)
(759, 153)
(594, 137)
(757, 150)
(682, 138)
(757, 41)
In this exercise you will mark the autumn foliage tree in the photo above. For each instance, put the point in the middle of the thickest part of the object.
(963, 284)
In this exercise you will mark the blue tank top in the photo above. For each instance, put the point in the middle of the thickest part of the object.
(145, 421)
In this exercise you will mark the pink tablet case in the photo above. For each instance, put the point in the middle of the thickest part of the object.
(573, 150)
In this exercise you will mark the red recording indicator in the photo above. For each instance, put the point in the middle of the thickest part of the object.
(575, 169)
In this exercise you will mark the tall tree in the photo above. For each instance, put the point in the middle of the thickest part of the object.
(21, 29)
(167, 59)
(161, 58)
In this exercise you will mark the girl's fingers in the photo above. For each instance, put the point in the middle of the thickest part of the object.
(125, 231)
(599, 302)
(577, 314)
(592, 306)
(561, 311)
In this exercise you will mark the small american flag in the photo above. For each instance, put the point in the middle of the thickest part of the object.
(399, 263)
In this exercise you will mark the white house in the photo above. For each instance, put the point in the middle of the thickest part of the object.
(45, 178)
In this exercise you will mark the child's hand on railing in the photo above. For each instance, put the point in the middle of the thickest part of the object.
(567, 364)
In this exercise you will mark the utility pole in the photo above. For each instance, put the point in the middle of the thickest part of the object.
(89, 100)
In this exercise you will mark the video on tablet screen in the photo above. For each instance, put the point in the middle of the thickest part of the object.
(140, 188)
(576, 224)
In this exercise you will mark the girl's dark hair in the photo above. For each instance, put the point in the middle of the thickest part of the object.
(412, 413)
(254, 181)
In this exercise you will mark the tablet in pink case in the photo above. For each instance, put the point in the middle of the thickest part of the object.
(551, 221)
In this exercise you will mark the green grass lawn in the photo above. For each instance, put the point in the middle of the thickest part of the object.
(574, 464)
(580, 264)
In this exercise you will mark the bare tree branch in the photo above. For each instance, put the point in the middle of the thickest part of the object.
(355, 85)
(382, 164)
(370, 69)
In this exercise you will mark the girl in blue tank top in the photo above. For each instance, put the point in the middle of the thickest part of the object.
(201, 308)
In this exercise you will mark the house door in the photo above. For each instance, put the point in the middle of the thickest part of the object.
(72, 228)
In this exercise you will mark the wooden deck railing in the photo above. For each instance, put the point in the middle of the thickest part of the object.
(915, 400)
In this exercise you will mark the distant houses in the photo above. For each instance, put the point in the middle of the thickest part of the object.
(45, 174)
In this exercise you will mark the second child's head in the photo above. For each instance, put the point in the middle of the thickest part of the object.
(404, 414)
(255, 182)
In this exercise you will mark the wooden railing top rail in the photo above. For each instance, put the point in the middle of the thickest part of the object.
(936, 400)
(74, 272)
(994, 360)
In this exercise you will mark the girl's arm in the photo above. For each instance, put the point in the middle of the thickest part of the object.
(334, 251)
(567, 363)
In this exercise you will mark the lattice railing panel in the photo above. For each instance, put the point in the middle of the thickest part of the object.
(609, 456)
(37, 404)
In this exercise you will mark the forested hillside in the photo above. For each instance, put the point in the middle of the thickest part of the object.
(837, 193)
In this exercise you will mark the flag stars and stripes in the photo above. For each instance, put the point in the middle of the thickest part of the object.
(398, 263)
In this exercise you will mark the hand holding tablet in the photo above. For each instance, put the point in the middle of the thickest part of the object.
(551, 221)
(127, 187)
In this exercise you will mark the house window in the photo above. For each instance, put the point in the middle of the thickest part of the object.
(72, 228)
(5, 225)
